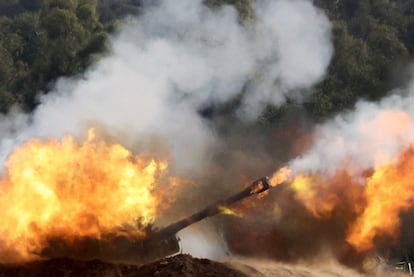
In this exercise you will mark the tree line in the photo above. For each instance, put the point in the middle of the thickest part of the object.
(374, 41)
(41, 40)
(40, 43)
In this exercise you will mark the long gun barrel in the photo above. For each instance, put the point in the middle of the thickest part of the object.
(256, 187)
(158, 243)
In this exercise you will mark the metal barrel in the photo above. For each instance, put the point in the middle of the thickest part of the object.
(257, 187)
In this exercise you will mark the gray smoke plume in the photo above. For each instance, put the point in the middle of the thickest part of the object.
(371, 135)
(172, 60)
(343, 153)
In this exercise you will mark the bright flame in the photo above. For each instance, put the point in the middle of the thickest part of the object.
(386, 192)
(67, 189)
(228, 211)
(315, 194)
(280, 176)
(389, 191)
(374, 199)
(301, 184)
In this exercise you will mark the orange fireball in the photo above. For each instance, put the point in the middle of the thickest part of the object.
(375, 201)
(65, 189)
(389, 191)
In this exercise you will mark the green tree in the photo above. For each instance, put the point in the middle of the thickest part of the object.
(6, 78)
(349, 75)
(244, 7)
(371, 39)
(38, 47)
(70, 27)
(110, 11)
(10, 7)
(385, 51)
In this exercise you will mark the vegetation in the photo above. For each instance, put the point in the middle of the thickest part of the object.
(36, 47)
(110, 10)
(41, 40)
(243, 7)
(372, 39)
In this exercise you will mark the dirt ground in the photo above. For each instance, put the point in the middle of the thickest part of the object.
(176, 266)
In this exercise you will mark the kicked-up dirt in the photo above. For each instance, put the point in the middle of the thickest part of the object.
(175, 266)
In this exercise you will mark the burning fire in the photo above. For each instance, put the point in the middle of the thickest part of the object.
(389, 191)
(66, 189)
(281, 176)
(228, 211)
(386, 192)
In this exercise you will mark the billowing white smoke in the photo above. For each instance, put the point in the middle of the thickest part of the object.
(371, 135)
(291, 50)
(172, 60)
(176, 58)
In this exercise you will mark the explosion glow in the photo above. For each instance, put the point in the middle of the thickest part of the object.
(66, 189)
(389, 190)
(377, 195)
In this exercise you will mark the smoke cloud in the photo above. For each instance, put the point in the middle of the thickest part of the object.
(176, 58)
(179, 57)
(371, 135)
(349, 154)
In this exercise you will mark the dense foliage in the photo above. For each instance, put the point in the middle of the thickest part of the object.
(44, 39)
(38, 46)
(243, 7)
(373, 40)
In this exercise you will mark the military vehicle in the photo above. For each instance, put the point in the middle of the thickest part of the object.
(158, 242)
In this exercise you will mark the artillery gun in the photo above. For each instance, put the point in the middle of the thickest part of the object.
(158, 243)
